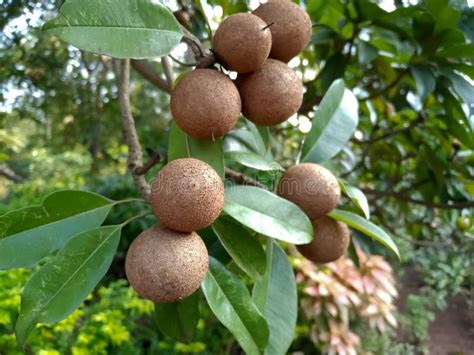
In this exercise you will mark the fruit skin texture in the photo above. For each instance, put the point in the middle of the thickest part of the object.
(187, 195)
(166, 266)
(331, 240)
(271, 94)
(241, 44)
(205, 104)
(312, 187)
(291, 29)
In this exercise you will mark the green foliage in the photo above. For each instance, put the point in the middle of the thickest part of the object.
(230, 301)
(419, 315)
(51, 225)
(100, 27)
(399, 80)
(366, 227)
(180, 145)
(268, 214)
(269, 296)
(334, 124)
(244, 248)
(60, 286)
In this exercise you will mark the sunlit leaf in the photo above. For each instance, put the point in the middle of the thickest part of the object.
(39, 231)
(118, 28)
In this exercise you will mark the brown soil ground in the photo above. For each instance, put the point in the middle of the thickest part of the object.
(452, 332)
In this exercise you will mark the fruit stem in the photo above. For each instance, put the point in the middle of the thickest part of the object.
(140, 216)
(268, 26)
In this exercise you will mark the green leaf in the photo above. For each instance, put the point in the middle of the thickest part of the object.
(261, 136)
(60, 286)
(366, 227)
(245, 250)
(462, 50)
(334, 123)
(39, 231)
(274, 293)
(247, 141)
(254, 161)
(425, 80)
(118, 28)
(268, 214)
(178, 320)
(463, 88)
(230, 301)
(182, 146)
(366, 52)
(357, 196)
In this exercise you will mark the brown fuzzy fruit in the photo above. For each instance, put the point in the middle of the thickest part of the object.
(330, 242)
(242, 43)
(312, 187)
(166, 266)
(291, 29)
(271, 94)
(187, 195)
(205, 104)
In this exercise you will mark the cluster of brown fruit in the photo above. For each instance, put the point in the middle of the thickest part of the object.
(316, 191)
(169, 262)
(207, 104)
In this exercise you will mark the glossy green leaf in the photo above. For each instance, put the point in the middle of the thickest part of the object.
(231, 303)
(334, 123)
(424, 78)
(366, 52)
(39, 231)
(246, 138)
(254, 161)
(245, 249)
(183, 146)
(261, 136)
(60, 286)
(273, 294)
(357, 196)
(463, 50)
(118, 28)
(178, 320)
(357, 222)
(268, 214)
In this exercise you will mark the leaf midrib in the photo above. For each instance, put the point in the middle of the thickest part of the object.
(110, 27)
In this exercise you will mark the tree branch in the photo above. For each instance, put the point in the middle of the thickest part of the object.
(135, 157)
(149, 74)
(388, 87)
(458, 205)
(419, 120)
(168, 70)
(242, 179)
(8, 173)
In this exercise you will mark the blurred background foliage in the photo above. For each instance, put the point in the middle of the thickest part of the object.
(410, 65)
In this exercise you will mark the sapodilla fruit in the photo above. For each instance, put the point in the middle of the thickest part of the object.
(330, 242)
(291, 28)
(187, 195)
(166, 266)
(242, 43)
(270, 95)
(205, 104)
(312, 187)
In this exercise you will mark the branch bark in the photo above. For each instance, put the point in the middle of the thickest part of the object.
(456, 205)
(135, 157)
(242, 179)
(149, 74)
(8, 173)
